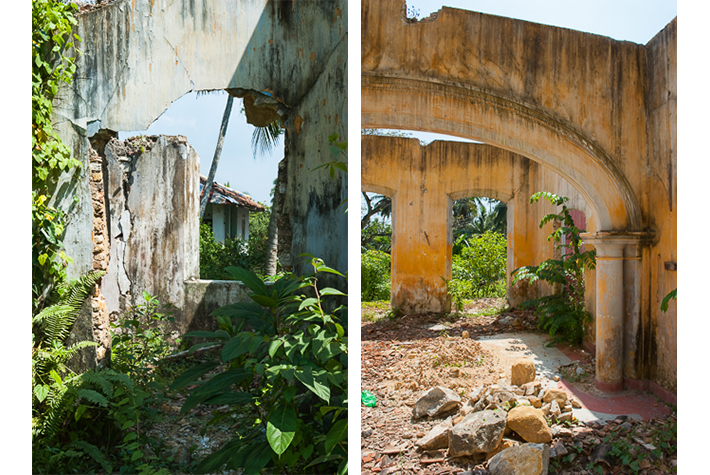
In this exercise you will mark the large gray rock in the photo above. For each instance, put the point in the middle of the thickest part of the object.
(437, 438)
(477, 433)
(526, 459)
(435, 402)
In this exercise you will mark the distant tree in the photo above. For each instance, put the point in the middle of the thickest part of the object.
(376, 205)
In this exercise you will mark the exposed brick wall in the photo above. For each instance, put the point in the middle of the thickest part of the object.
(101, 254)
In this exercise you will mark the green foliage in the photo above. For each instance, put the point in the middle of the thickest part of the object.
(478, 271)
(52, 22)
(375, 281)
(673, 294)
(562, 315)
(285, 358)
(471, 217)
(376, 235)
(80, 422)
(215, 256)
(138, 339)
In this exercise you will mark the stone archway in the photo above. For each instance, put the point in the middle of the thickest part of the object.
(599, 112)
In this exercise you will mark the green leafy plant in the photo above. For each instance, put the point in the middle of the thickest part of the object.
(138, 339)
(375, 281)
(52, 39)
(285, 358)
(80, 421)
(478, 271)
(673, 294)
(215, 256)
(563, 314)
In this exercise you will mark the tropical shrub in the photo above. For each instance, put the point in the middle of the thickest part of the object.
(376, 235)
(478, 271)
(375, 283)
(81, 422)
(215, 256)
(138, 340)
(562, 314)
(285, 358)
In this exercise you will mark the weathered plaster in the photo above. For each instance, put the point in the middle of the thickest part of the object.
(139, 56)
(600, 113)
(423, 181)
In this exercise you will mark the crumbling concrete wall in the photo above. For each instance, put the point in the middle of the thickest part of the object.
(139, 56)
(152, 189)
(424, 181)
(599, 112)
(659, 334)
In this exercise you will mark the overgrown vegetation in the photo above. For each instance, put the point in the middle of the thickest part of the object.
(216, 256)
(562, 314)
(375, 275)
(138, 340)
(478, 270)
(82, 422)
(285, 357)
(52, 64)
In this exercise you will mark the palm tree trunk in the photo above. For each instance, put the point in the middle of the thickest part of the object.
(207, 190)
(272, 239)
(272, 246)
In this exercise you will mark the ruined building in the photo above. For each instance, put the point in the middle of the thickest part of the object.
(573, 113)
(133, 206)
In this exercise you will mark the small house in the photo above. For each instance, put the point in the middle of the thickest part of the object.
(228, 211)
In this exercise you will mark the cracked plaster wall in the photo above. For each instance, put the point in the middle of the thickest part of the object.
(138, 56)
(154, 214)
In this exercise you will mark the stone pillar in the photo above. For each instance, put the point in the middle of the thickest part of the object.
(617, 284)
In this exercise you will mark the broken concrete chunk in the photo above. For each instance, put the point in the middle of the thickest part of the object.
(436, 401)
(526, 459)
(559, 449)
(530, 424)
(478, 433)
(475, 395)
(565, 417)
(467, 408)
(522, 371)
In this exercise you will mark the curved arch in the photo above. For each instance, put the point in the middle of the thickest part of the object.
(424, 104)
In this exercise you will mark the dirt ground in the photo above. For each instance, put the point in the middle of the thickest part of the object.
(402, 357)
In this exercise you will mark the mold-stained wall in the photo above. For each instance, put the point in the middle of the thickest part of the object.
(138, 56)
(598, 112)
(424, 181)
(153, 185)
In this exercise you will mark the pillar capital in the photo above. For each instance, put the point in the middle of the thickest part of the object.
(618, 244)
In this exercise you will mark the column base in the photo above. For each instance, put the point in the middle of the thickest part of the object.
(606, 387)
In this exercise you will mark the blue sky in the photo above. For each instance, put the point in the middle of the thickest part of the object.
(199, 119)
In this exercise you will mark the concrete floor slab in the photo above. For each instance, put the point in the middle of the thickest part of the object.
(511, 346)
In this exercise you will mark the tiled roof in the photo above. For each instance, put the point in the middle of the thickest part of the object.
(222, 195)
